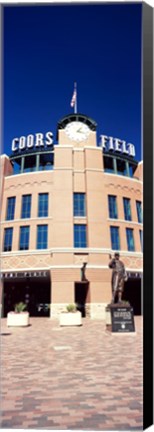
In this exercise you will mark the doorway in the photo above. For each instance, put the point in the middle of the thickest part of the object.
(82, 296)
(35, 292)
(132, 293)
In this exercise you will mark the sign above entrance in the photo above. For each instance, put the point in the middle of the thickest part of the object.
(134, 275)
(17, 275)
(110, 144)
(32, 141)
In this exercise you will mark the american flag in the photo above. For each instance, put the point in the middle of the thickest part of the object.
(73, 100)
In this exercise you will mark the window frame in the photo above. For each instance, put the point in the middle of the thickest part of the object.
(26, 212)
(115, 245)
(8, 247)
(141, 239)
(129, 248)
(127, 209)
(40, 227)
(24, 245)
(79, 231)
(79, 204)
(139, 211)
(10, 208)
(44, 203)
(113, 209)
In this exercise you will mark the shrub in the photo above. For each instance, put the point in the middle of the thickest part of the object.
(20, 307)
(71, 308)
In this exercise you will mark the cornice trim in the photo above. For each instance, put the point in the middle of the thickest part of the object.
(38, 219)
(123, 177)
(140, 225)
(75, 251)
(72, 266)
(29, 173)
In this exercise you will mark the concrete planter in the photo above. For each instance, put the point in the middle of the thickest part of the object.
(108, 316)
(70, 319)
(18, 319)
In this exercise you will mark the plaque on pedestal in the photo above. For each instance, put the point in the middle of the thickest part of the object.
(122, 318)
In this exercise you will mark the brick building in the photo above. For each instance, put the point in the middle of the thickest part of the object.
(64, 205)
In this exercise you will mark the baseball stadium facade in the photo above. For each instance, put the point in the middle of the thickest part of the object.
(64, 205)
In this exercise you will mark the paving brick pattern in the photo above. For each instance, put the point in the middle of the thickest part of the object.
(76, 378)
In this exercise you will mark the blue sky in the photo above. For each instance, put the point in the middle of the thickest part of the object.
(47, 48)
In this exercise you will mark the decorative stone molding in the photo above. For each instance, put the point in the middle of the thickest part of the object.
(56, 309)
(97, 310)
(26, 261)
(28, 184)
(93, 310)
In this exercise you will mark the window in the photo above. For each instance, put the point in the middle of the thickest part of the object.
(42, 237)
(112, 203)
(139, 211)
(10, 208)
(121, 167)
(17, 166)
(43, 205)
(115, 240)
(79, 204)
(130, 239)
(26, 206)
(46, 161)
(141, 239)
(8, 234)
(80, 236)
(127, 209)
(30, 163)
(108, 164)
(24, 238)
(132, 169)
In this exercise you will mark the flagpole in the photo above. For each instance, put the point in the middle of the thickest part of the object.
(75, 105)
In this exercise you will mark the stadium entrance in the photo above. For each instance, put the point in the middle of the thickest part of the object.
(32, 288)
(132, 292)
(82, 296)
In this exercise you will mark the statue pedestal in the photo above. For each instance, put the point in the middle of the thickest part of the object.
(120, 318)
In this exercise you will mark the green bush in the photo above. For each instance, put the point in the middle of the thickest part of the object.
(71, 308)
(20, 307)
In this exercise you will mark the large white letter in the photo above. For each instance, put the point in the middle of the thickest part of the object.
(49, 140)
(39, 140)
(111, 145)
(124, 148)
(104, 140)
(117, 144)
(14, 141)
(131, 149)
(30, 141)
(22, 142)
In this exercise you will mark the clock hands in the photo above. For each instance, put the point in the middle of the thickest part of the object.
(80, 130)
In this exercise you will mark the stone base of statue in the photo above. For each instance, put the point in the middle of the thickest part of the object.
(120, 318)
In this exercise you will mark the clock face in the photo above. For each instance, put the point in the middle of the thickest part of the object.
(77, 131)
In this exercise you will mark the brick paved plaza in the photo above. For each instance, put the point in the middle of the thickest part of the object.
(79, 378)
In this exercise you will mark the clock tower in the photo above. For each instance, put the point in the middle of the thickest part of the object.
(77, 130)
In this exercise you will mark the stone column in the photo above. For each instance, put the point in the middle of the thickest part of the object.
(37, 162)
(127, 169)
(115, 165)
(22, 164)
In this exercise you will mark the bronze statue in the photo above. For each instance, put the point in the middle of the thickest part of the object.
(119, 276)
(83, 269)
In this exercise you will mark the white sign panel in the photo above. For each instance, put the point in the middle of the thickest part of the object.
(118, 145)
(31, 141)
